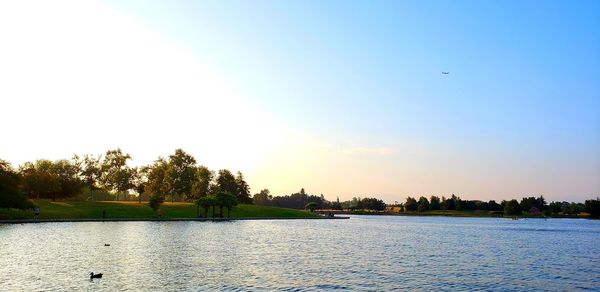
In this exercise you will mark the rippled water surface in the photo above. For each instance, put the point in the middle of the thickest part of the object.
(362, 253)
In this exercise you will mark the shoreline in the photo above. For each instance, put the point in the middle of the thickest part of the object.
(24, 221)
(461, 215)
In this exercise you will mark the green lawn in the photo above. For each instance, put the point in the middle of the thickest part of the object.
(85, 209)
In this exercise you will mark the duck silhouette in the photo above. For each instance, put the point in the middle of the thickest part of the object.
(97, 276)
(106, 244)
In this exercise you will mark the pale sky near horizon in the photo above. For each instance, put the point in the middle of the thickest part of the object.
(343, 98)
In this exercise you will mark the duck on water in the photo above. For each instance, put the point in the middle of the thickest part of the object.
(96, 276)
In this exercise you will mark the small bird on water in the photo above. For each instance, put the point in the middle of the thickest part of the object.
(106, 244)
(97, 276)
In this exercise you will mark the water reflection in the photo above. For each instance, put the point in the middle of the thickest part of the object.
(363, 253)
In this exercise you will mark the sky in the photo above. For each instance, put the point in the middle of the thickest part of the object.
(342, 98)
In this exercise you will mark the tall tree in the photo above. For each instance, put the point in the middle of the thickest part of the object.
(181, 174)
(91, 171)
(423, 204)
(203, 182)
(243, 189)
(593, 207)
(434, 203)
(117, 176)
(411, 204)
(226, 182)
(39, 179)
(67, 172)
(157, 180)
(139, 182)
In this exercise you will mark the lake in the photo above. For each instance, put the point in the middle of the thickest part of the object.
(361, 253)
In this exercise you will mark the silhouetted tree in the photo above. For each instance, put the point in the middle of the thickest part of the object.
(243, 189)
(593, 207)
(225, 200)
(207, 202)
(423, 204)
(512, 207)
(449, 204)
(9, 189)
(411, 204)
(434, 203)
(493, 206)
(155, 202)
(39, 179)
(262, 198)
(226, 182)
(336, 205)
(48, 179)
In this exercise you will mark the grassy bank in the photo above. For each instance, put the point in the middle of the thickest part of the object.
(116, 209)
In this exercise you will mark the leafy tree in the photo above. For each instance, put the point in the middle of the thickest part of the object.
(593, 207)
(181, 174)
(155, 202)
(555, 208)
(9, 189)
(91, 171)
(576, 208)
(434, 203)
(512, 207)
(243, 189)
(458, 203)
(411, 204)
(479, 205)
(67, 173)
(157, 179)
(226, 182)
(48, 179)
(263, 198)
(225, 200)
(139, 182)
(450, 203)
(202, 184)
(117, 176)
(207, 202)
(298, 200)
(493, 206)
(423, 204)
(371, 204)
(39, 179)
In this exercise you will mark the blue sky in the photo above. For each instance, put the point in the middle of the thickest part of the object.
(357, 91)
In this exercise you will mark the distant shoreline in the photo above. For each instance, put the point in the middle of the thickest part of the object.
(460, 214)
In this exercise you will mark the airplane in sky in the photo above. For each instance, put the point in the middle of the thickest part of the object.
(445, 73)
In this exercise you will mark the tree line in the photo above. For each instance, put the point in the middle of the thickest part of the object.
(177, 177)
(301, 199)
(531, 205)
